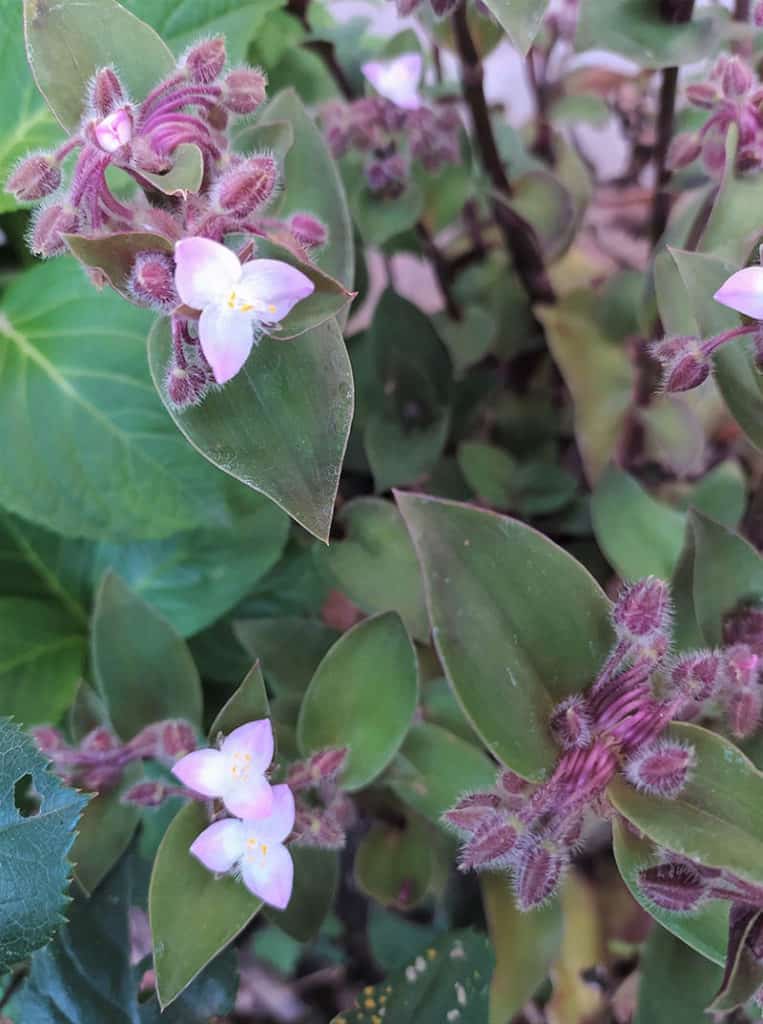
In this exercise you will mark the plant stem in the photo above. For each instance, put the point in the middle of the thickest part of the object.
(519, 236)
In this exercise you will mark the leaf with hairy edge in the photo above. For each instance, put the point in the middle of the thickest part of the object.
(68, 41)
(193, 914)
(517, 622)
(362, 697)
(715, 820)
(32, 901)
(706, 931)
(281, 425)
(143, 670)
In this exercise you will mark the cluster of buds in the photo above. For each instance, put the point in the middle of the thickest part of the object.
(616, 726)
(394, 128)
(324, 813)
(194, 107)
(733, 96)
(98, 761)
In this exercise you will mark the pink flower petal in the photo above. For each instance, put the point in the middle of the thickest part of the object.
(273, 288)
(249, 797)
(396, 80)
(221, 845)
(270, 876)
(254, 739)
(279, 823)
(227, 337)
(114, 131)
(205, 271)
(744, 292)
(203, 771)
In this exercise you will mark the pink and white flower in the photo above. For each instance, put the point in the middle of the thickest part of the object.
(743, 292)
(114, 131)
(237, 302)
(254, 849)
(396, 80)
(236, 772)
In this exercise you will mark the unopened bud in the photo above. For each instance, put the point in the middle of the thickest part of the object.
(318, 828)
(114, 131)
(308, 230)
(325, 766)
(106, 92)
(48, 739)
(244, 90)
(737, 78)
(540, 864)
(742, 666)
(744, 709)
(492, 844)
(677, 887)
(206, 60)
(684, 149)
(745, 626)
(470, 811)
(187, 385)
(100, 740)
(685, 365)
(249, 186)
(702, 94)
(153, 280)
(571, 724)
(662, 768)
(697, 676)
(146, 794)
(34, 178)
(176, 739)
(643, 609)
(387, 176)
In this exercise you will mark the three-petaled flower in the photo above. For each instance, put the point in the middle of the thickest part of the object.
(254, 849)
(396, 80)
(238, 302)
(743, 291)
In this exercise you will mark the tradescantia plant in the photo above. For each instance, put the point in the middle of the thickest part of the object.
(381, 590)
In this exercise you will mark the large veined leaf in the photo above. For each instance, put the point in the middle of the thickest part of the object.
(715, 820)
(362, 696)
(517, 622)
(32, 901)
(93, 453)
(26, 123)
(67, 41)
(281, 425)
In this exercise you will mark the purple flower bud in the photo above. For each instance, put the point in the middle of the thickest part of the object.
(744, 709)
(48, 739)
(313, 827)
(677, 887)
(244, 90)
(643, 609)
(248, 186)
(206, 60)
(323, 767)
(176, 739)
(187, 385)
(571, 724)
(106, 92)
(146, 794)
(661, 768)
(509, 784)
(114, 131)
(742, 666)
(539, 866)
(745, 626)
(34, 178)
(737, 78)
(308, 230)
(100, 740)
(152, 281)
(684, 364)
(702, 94)
(471, 811)
(697, 676)
(684, 149)
(492, 844)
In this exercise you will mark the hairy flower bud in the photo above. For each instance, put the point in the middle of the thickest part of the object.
(48, 739)
(571, 724)
(677, 887)
(320, 768)
(661, 768)
(308, 230)
(742, 667)
(744, 709)
(106, 92)
(153, 280)
(149, 793)
(492, 844)
(697, 676)
(684, 364)
(539, 866)
(737, 78)
(745, 626)
(643, 609)
(471, 810)
(702, 94)
(244, 90)
(176, 739)
(34, 178)
(187, 385)
(206, 60)
(248, 186)
(100, 740)
(50, 223)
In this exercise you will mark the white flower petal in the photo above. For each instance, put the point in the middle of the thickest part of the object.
(221, 845)
(743, 292)
(269, 875)
(274, 288)
(397, 80)
(203, 771)
(254, 739)
(280, 821)
(249, 797)
(226, 337)
(205, 271)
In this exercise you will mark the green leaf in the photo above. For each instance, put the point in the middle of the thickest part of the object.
(434, 768)
(104, 833)
(290, 649)
(25, 124)
(379, 218)
(532, 488)
(247, 704)
(362, 696)
(635, 29)
(68, 41)
(468, 340)
(676, 983)
(193, 914)
(520, 19)
(185, 175)
(281, 425)
(715, 820)
(639, 536)
(408, 423)
(41, 656)
(706, 931)
(211, 994)
(32, 901)
(394, 865)
(276, 138)
(143, 670)
(518, 623)
(114, 255)
(743, 975)
(316, 878)
(450, 974)
(375, 564)
(93, 453)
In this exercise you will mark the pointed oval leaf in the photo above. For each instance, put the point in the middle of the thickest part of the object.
(143, 669)
(290, 649)
(715, 820)
(68, 40)
(281, 425)
(247, 704)
(517, 622)
(362, 696)
(193, 914)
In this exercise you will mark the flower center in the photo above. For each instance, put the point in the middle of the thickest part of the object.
(255, 850)
(240, 766)
(240, 304)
